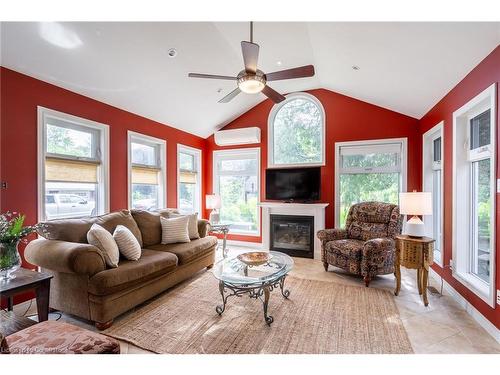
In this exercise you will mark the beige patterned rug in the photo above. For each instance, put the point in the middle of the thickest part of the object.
(319, 317)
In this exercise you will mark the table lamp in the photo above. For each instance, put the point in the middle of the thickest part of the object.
(213, 202)
(414, 204)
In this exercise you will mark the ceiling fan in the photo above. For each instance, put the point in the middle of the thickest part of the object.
(252, 80)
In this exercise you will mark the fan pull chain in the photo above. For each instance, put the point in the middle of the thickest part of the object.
(251, 32)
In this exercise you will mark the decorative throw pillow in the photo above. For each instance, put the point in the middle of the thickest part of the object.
(174, 230)
(99, 237)
(127, 243)
(192, 224)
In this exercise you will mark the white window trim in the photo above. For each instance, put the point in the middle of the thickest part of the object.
(459, 250)
(270, 132)
(42, 114)
(428, 143)
(162, 196)
(239, 151)
(198, 154)
(403, 161)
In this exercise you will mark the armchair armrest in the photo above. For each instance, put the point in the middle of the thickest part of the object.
(378, 256)
(67, 257)
(326, 235)
(203, 227)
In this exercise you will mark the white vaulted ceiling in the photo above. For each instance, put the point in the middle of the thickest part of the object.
(405, 67)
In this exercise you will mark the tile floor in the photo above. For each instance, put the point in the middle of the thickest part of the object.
(441, 327)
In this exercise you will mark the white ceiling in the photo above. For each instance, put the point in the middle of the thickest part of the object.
(406, 67)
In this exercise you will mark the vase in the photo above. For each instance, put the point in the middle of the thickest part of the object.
(10, 260)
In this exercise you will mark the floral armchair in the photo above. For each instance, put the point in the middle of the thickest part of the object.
(366, 245)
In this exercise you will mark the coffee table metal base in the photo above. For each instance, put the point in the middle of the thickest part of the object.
(257, 291)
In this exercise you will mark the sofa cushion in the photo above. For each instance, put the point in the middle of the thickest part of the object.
(129, 273)
(75, 230)
(112, 220)
(149, 224)
(187, 252)
(352, 249)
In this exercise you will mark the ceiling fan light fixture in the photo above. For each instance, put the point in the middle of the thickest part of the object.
(251, 84)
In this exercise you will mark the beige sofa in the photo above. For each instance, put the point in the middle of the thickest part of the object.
(83, 286)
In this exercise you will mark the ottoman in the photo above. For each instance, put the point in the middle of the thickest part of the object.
(52, 337)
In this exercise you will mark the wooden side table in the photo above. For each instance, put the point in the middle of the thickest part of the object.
(414, 253)
(30, 280)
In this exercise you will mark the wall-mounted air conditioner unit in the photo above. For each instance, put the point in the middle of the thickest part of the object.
(234, 137)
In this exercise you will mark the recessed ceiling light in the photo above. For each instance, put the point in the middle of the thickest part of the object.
(355, 67)
(279, 63)
(172, 52)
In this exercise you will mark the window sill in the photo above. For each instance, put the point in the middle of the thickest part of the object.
(475, 285)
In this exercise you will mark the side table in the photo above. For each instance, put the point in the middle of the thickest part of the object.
(224, 229)
(414, 253)
(29, 280)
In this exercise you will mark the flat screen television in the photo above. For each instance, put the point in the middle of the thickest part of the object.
(293, 184)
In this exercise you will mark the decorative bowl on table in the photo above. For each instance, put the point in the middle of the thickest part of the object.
(255, 258)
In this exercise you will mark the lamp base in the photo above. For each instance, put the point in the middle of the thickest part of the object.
(415, 227)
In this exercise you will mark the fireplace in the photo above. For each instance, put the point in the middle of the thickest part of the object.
(293, 235)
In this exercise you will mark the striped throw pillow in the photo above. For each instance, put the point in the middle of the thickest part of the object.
(174, 230)
(99, 237)
(127, 243)
(192, 224)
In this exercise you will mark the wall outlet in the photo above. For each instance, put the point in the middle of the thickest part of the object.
(452, 264)
(498, 296)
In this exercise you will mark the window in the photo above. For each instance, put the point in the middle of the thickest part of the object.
(146, 159)
(368, 171)
(238, 184)
(189, 179)
(473, 194)
(72, 167)
(433, 182)
(297, 132)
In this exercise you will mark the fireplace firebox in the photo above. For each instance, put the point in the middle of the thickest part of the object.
(293, 235)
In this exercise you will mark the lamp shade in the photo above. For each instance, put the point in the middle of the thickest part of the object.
(212, 201)
(415, 203)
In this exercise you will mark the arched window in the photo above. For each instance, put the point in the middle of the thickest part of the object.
(297, 132)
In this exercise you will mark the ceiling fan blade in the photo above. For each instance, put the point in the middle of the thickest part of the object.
(300, 72)
(250, 56)
(230, 96)
(212, 76)
(274, 95)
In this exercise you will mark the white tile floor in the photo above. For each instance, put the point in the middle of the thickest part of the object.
(441, 327)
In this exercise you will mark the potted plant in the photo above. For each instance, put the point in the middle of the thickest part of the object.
(12, 232)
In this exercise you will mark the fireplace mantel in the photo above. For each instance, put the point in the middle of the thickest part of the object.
(317, 210)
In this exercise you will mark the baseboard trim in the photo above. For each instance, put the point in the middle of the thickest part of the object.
(467, 306)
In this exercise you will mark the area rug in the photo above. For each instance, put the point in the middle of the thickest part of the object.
(319, 317)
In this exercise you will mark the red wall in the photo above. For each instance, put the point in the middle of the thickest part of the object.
(20, 96)
(483, 76)
(347, 119)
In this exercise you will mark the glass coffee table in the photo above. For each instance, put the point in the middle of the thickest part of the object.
(236, 279)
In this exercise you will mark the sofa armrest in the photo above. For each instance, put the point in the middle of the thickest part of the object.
(67, 257)
(203, 225)
(326, 235)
